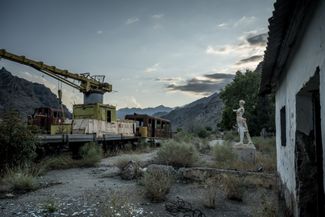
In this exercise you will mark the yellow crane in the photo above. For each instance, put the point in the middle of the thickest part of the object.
(93, 87)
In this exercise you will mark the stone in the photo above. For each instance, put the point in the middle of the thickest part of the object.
(130, 171)
(245, 152)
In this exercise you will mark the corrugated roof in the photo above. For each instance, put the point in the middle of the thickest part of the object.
(284, 26)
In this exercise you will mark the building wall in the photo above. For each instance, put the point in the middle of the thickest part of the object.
(309, 54)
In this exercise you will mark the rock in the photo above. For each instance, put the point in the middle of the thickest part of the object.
(164, 168)
(9, 195)
(130, 171)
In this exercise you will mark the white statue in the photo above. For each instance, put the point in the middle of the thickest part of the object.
(241, 123)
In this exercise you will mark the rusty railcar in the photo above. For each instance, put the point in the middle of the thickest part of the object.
(150, 126)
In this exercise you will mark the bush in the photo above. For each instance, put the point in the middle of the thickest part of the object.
(157, 184)
(124, 160)
(212, 185)
(90, 153)
(50, 206)
(177, 153)
(17, 142)
(233, 187)
(20, 179)
(203, 133)
(223, 153)
(231, 135)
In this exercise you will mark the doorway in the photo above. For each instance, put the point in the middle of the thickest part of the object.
(309, 150)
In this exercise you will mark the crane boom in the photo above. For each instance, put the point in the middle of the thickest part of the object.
(88, 84)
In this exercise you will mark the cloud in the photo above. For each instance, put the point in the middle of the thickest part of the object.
(244, 21)
(221, 25)
(259, 39)
(255, 58)
(202, 85)
(248, 45)
(132, 20)
(99, 32)
(158, 16)
(152, 69)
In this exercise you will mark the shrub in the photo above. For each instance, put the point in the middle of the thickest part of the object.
(90, 153)
(177, 153)
(231, 135)
(183, 136)
(157, 184)
(117, 205)
(20, 179)
(203, 133)
(223, 153)
(122, 161)
(17, 142)
(63, 161)
(212, 185)
(50, 206)
(233, 187)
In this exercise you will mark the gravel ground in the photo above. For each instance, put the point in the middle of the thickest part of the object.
(84, 192)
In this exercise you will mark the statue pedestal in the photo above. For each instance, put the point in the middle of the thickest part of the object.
(245, 152)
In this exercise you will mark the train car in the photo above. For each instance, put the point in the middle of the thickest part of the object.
(150, 126)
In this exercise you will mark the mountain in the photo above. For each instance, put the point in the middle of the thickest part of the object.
(204, 112)
(24, 96)
(155, 111)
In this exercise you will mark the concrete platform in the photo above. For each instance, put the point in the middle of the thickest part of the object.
(245, 152)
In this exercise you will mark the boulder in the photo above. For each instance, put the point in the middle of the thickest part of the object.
(130, 171)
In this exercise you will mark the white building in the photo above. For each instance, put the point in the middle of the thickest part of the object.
(294, 69)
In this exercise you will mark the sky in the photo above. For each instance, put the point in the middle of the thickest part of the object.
(153, 52)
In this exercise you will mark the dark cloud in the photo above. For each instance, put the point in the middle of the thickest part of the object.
(204, 87)
(254, 58)
(260, 39)
(219, 76)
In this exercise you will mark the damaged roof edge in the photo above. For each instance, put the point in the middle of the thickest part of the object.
(284, 26)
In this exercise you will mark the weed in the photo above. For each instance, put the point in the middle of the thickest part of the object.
(117, 205)
(91, 154)
(177, 153)
(20, 179)
(50, 206)
(157, 184)
(267, 209)
(233, 187)
(212, 185)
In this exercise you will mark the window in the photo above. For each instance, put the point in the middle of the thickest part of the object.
(283, 126)
(109, 116)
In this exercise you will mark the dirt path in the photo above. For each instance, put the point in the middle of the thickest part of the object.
(84, 192)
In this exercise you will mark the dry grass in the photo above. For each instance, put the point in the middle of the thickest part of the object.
(224, 153)
(233, 187)
(212, 186)
(157, 184)
(20, 179)
(177, 154)
(268, 208)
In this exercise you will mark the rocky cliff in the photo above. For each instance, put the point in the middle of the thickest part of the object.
(24, 96)
(205, 112)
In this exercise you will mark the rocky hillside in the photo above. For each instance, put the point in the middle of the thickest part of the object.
(24, 96)
(155, 111)
(205, 112)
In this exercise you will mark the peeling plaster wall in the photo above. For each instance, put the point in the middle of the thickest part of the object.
(309, 54)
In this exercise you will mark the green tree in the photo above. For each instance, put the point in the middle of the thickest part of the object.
(259, 111)
(17, 141)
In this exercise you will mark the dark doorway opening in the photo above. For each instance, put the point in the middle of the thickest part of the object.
(309, 150)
